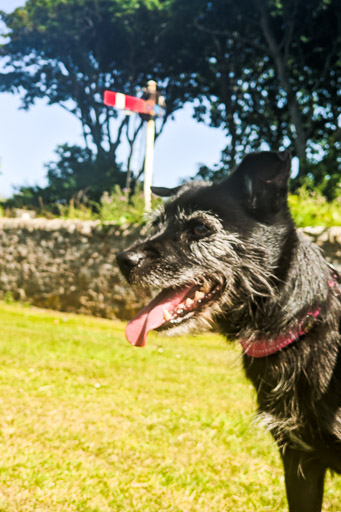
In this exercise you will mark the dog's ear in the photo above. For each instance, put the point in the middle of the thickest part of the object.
(263, 178)
(165, 192)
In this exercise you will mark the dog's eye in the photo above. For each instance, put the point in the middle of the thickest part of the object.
(199, 229)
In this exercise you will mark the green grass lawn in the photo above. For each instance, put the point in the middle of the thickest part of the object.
(89, 423)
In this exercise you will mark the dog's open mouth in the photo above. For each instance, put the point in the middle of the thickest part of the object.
(170, 308)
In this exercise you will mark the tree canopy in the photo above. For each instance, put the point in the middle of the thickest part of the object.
(69, 52)
(271, 75)
(268, 72)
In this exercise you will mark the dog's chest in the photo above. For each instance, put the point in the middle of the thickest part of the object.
(287, 432)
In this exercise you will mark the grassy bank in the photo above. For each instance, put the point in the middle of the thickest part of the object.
(307, 208)
(91, 424)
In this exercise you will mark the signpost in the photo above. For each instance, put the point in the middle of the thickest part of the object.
(124, 102)
(149, 106)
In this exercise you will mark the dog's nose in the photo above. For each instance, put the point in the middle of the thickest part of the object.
(128, 259)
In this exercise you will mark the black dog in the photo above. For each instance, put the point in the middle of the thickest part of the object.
(228, 254)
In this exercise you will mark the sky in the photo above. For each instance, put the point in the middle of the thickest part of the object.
(28, 140)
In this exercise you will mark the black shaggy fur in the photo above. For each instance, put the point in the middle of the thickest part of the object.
(239, 235)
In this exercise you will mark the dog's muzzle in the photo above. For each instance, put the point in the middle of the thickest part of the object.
(128, 260)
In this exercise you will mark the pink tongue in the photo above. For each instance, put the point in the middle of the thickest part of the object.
(151, 316)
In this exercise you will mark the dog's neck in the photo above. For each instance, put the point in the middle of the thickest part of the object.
(263, 348)
(260, 348)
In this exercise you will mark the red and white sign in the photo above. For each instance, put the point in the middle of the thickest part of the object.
(139, 105)
(125, 102)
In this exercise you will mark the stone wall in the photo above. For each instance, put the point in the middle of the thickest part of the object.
(70, 265)
(329, 239)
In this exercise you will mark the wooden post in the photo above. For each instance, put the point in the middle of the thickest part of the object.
(148, 163)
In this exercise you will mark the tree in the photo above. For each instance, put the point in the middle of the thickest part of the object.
(70, 52)
(266, 71)
(270, 72)
(76, 175)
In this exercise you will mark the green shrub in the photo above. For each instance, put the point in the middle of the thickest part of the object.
(115, 207)
(75, 210)
(119, 208)
(312, 209)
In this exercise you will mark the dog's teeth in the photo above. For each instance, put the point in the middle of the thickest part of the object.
(166, 315)
(189, 302)
(198, 295)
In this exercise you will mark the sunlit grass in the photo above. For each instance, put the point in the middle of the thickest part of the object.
(90, 424)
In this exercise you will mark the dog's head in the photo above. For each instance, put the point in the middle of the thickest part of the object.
(212, 247)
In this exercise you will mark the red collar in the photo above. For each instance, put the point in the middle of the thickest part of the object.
(261, 348)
